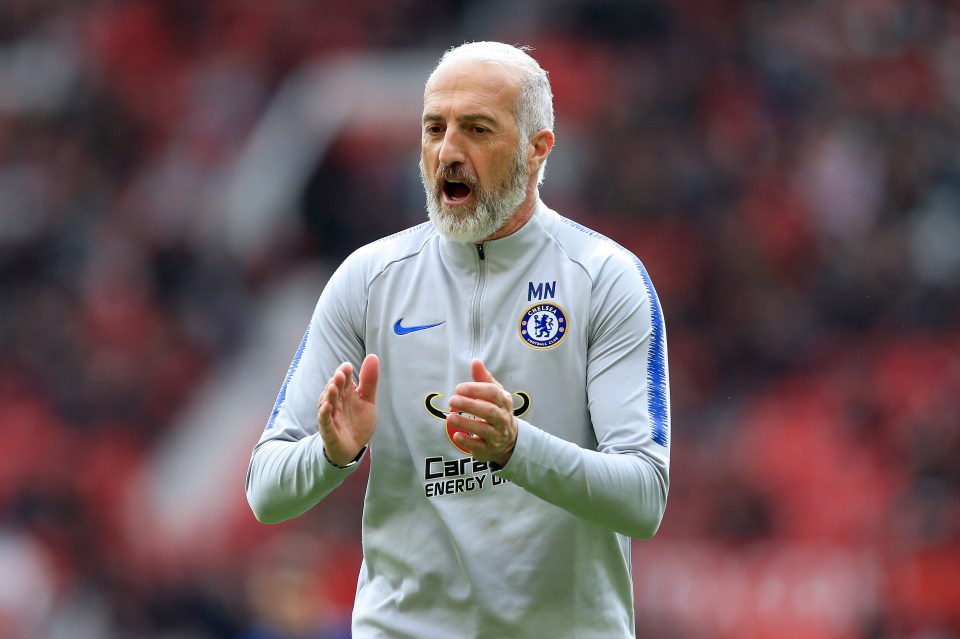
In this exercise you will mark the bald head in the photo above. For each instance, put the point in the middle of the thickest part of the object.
(534, 104)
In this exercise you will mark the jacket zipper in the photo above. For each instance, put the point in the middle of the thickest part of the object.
(476, 340)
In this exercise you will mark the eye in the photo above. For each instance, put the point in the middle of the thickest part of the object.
(479, 129)
(432, 129)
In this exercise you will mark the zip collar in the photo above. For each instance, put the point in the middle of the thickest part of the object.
(497, 254)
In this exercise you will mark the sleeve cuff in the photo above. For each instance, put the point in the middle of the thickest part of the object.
(356, 460)
(520, 451)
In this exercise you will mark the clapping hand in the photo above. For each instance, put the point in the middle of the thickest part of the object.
(491, 428)
(347, 411)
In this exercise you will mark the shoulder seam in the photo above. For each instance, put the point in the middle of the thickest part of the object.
(553, 236)
(398, 234)
(603, 238)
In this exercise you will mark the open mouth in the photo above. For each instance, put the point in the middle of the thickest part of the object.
(455, 192)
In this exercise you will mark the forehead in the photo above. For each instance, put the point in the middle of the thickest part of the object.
(485, 86)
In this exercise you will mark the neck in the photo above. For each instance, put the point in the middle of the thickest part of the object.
(520, 217)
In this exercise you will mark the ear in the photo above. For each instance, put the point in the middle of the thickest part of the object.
(539, 148)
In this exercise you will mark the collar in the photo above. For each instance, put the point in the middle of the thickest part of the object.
(499, 254)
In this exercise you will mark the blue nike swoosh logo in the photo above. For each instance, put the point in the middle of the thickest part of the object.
(403, 330)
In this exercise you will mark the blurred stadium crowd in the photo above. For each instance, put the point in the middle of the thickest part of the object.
(789, 172)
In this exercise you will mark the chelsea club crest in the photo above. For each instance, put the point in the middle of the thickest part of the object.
(543, 325)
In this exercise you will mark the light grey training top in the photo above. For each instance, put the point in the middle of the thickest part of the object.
(569, 322)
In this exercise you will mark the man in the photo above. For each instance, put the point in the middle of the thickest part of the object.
(513, 389)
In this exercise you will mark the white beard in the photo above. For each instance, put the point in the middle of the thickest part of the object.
(493, 208)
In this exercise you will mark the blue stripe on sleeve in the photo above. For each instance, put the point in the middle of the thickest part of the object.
(286, 380)
(656, 365)
(658, 401)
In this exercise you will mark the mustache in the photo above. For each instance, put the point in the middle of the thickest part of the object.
(457, 174)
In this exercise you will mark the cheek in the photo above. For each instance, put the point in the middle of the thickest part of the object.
(500, 168)
(428, 161)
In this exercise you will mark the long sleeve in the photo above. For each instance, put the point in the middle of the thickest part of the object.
(288, 473)
(287, 478)
(623, 484)
(624, 492)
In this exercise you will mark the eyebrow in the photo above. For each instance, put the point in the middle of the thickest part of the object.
(469, 117)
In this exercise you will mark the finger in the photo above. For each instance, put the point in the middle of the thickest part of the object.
(333, 394)
(325, 417)
(323, 413)
(334, 384)
(479, 372)
(468, 422)
(492, 393)
(481, 408)
(343, 375)
(473, 431)
(470, 443)
(369, 377)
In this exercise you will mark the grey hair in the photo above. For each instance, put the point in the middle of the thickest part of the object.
(534, 109)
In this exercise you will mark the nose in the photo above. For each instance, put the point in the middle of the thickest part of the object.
(451, 148)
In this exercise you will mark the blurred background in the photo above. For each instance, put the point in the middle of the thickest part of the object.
(177, 179)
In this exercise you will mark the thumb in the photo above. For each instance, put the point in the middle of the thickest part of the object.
(480, 373)
(369, 377)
